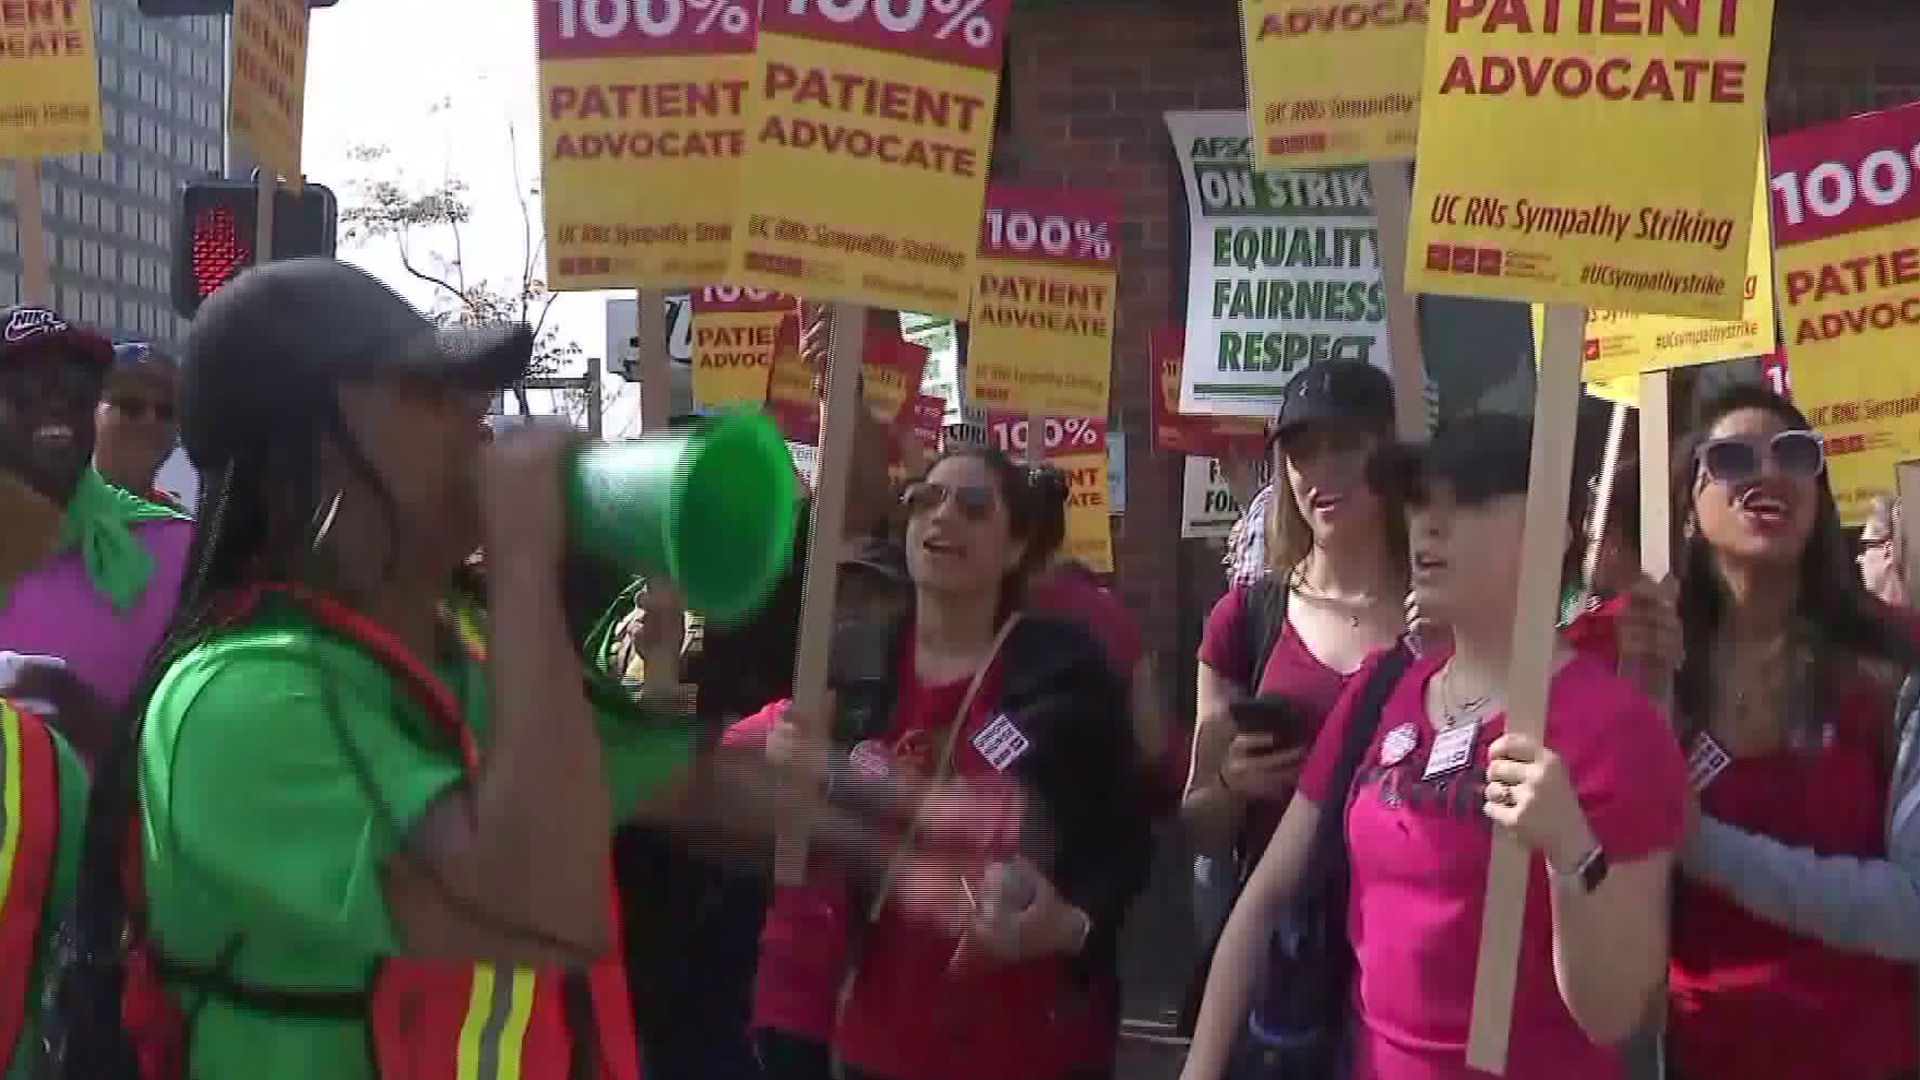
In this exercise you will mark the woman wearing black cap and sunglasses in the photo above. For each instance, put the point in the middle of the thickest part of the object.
(1800, 892)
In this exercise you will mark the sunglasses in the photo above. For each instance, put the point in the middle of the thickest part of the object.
(139, 408)
(1738, 461)
(974, 502)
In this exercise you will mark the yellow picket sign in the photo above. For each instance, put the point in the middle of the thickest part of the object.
(50, 83)
(1089, 529)
(1333, 82)
(1591, 154)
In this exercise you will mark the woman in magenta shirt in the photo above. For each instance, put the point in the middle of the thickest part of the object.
(1601, 809)
(1798, 915)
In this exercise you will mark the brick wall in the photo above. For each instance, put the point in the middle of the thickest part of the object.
(1086, 86)
(1087, 82)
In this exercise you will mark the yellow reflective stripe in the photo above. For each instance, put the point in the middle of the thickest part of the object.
(494, 1032)
(514, 1036)
(9, 797)
(466, 624)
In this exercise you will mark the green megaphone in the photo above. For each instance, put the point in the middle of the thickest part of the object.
(711, 508)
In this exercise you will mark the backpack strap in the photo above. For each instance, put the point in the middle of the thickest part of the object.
(1263, 615)
(1329, 848)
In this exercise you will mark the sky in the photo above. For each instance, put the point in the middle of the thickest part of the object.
(448, 86)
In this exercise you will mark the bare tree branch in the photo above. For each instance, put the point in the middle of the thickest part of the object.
(387, 206)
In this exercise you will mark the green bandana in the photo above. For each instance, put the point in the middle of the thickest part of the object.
(99, 521)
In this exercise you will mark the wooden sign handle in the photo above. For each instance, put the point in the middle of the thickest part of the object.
(833, 477)
(269, 189)
(1392, 212)
(1603, 485)
(1906, 479)
(1549, 478)
(36, 278)
(653, 364)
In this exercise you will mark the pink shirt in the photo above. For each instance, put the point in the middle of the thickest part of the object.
(1419, 870)
(55, 611)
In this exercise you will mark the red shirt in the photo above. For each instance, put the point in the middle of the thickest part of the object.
(1744, 990)
(1752, 1000)
(913, 1012)
(1419, 848)
(1291, 670)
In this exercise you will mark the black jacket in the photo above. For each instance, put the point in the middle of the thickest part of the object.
(1088, 830)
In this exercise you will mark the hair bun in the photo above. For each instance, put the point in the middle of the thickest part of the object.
(1048, 484)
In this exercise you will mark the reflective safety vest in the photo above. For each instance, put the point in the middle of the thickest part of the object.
(29, 838)
(432, 1020)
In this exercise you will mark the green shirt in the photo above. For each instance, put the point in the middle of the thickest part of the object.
(280, 768)
(66, 871)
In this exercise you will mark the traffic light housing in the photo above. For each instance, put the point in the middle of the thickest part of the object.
(216, 232)
(176, 9)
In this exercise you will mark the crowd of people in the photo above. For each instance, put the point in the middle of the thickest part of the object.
(356, 768)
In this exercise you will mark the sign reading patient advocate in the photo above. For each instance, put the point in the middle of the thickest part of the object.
(1042, 313)
(1846, 197)
(267, 108)
(641, 135)
(49, 80)
(1597, 153)
(869, 132)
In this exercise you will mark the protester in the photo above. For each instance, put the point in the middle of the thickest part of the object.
(966, 687)
(369, 834)
(1066, 587)
(1246, 554)
(1883, 552)
(44, 794)
(1435, 775)
(692, 925)
(1333, 593)
(1800, 895)
(874, 587)
(135, 421)
(101, 603)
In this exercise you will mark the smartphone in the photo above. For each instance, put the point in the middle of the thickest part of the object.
(1271, 714)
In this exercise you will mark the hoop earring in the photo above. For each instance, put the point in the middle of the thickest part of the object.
(324, 520)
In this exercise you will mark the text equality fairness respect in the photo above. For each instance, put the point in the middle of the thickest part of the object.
(1320, 247)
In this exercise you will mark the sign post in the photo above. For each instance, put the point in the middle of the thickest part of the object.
(267, 102)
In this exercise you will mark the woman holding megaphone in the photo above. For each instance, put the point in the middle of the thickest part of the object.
(354, 834)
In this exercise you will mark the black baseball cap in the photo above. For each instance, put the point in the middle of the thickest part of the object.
(29, 329)
(1350, 391)
(1479, 457)
(281, 334)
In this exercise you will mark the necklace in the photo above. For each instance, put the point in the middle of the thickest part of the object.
(1455, 710)
(1349, 607)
